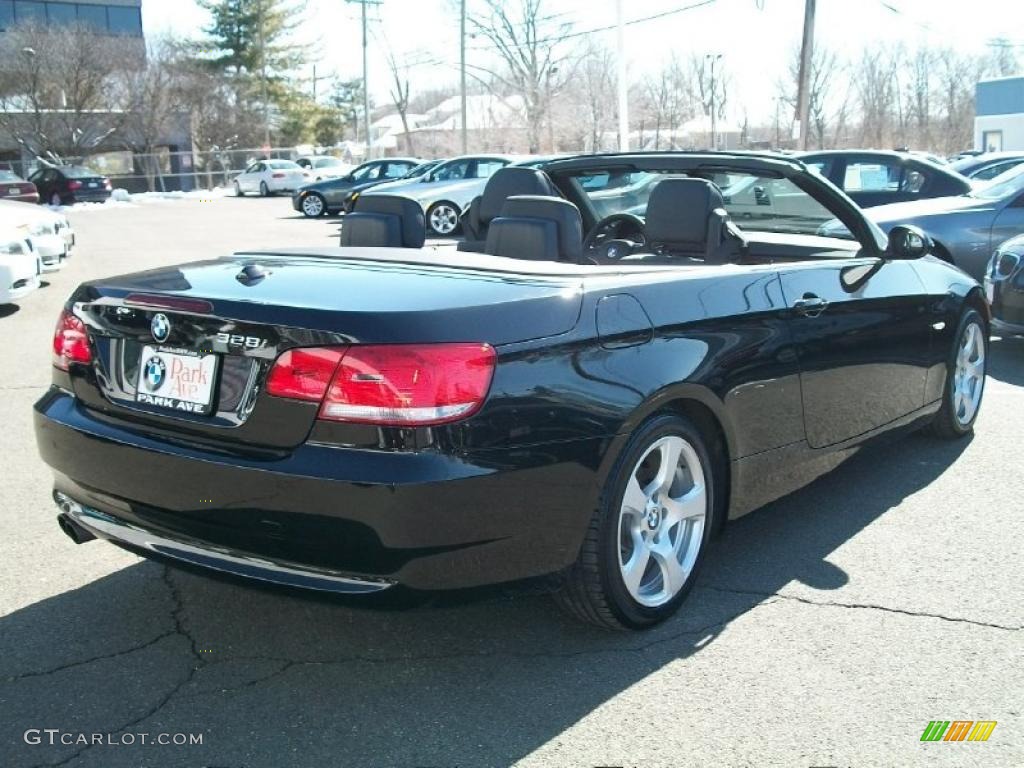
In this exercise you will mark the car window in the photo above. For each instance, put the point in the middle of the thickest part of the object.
(754, 203)
(395, 170)
(254, 168)
(327, 162)
(304, 162)
(452, 171)
(9, 176)
(77, 172)
(818, 166)
(1005, 184)
(985, 174)
(872, 177)
(284, 165)
(367, 172)
(485, 168)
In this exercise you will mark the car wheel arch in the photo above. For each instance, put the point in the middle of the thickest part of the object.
(703, 408)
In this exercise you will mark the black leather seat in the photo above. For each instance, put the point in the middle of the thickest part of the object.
(687, 218)
(505, 183)
(384, 221)
(538, 228)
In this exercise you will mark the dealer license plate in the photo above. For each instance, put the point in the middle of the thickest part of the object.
(176, 379)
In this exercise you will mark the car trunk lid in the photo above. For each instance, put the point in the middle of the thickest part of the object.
(222, 323)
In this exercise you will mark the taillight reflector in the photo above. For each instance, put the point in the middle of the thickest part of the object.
(403, 385)
(304, 373)
(70, 342)
(74, 185)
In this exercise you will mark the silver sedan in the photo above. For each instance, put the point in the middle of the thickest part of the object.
(966, 228)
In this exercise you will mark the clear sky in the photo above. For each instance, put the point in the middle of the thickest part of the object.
(757, 37)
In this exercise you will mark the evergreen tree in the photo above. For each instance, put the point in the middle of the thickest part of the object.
(248, 42)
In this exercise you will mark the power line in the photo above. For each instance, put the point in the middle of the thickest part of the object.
(606, 28)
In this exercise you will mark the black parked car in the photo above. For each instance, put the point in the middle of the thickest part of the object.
(329, 195)
(1004, 286)
(590, 406)
(68, 184)
(874, 177)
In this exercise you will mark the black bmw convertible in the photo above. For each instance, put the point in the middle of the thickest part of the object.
(628, 351)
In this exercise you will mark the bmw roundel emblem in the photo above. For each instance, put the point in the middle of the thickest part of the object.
(160, 327)
(155, 373)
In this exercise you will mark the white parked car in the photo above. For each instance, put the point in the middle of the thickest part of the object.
(447, 190)
(20, 267)
(268, 177)
(324, 166)
(50, 232)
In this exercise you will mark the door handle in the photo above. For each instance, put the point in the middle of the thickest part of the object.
(810, 305)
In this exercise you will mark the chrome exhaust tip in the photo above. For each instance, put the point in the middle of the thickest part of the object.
(68, 507)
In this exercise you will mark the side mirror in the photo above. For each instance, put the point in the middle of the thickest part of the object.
(908, 242)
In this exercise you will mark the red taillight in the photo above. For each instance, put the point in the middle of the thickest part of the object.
(70, 343)
(401, 385)
(277, 175)
(74, 185)
(305, 373)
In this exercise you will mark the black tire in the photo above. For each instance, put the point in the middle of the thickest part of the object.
(314, 199)
(946, 423)
(593, 589)
(238, 190)
(264, 189)
(436, 208)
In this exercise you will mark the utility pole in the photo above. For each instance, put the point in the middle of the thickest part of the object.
(366, 89)
(713, 58)
(803, 102)
(623, 86)
(462, 74)
(316, 80)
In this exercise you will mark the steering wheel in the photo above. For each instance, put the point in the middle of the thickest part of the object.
(625, 229)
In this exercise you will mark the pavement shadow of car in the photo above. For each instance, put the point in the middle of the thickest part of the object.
(1006, 361)
(270, 680)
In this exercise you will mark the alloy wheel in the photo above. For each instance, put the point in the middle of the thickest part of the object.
(313, 206)
(969, 376)
(443, 219)
(661, 521)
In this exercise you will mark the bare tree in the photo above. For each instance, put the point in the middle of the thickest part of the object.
(710, 86)
(875, 83)
(532, 50)
(667, 99)
(152, 103)
(57, 95)
(400, 96)
(957, 74)
(596, 70)
(1003, 59)
(825, 71)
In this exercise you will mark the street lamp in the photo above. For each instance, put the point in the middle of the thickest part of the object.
(713, 58)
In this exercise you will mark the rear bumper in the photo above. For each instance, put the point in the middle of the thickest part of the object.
(180, 549)
(422, 519)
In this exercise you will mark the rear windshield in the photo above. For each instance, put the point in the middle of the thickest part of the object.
(77, 172)
(327, 162)
(755, 203)
(284, 164)
(9, 176)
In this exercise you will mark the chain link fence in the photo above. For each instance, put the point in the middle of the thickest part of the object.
(168, 171)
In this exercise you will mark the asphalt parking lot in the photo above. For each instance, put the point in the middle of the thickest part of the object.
(827, 629)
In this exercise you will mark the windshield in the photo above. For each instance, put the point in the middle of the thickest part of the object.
(754, 203)
(1005, 184)
(421, 169)
(9, 176)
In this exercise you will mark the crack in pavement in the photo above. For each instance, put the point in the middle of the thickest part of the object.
(179, 629)
(288, 664)
(83, 662)
(866, 606)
